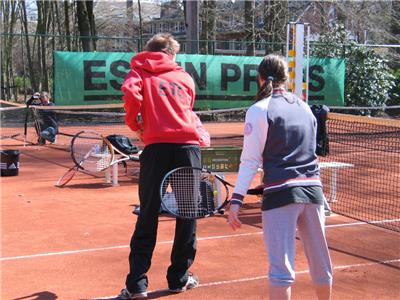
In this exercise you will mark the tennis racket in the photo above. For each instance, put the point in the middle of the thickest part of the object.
(194, 193)
(71, 172)
(92, 152)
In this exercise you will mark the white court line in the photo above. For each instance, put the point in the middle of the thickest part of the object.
(362, 223)
(247, 279)
(360, 265)
(119, 247)
(170, 242)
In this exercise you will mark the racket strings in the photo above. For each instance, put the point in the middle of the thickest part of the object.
(91, 152)
(190, 193)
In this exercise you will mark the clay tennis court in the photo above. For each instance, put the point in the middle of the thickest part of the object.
(73, 242)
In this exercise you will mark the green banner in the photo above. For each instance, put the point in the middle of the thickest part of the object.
(82, 78)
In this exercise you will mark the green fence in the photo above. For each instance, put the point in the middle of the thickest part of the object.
(221, 81)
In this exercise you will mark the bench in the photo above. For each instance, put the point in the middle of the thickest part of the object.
(333, 167)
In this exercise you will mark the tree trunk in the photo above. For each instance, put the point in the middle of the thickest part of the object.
(129, 25)
(84, 26)
(192, 29)
(9, 20)
(89, 8)
(66, 25)
(208, 21)
(42, 29)
(60, 41)
(212, 25)
(395, 26)
(31, 68)
(204, 27)
(249, 30)
(140, 46)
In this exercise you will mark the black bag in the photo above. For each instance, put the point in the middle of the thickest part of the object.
(321, 114)
(123, 144)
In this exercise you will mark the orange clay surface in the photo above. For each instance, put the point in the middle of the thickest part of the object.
(73, 242)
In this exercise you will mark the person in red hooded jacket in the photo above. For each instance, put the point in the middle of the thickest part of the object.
(163, 94)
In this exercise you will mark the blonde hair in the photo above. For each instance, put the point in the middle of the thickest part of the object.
(163, 42)
(44, 95)
(273, 70)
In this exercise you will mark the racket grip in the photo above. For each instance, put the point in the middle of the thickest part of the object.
(255, 191)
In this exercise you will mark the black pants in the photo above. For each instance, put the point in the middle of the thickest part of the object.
(155, 161)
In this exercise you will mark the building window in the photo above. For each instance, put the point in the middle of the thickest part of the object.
(182, 27)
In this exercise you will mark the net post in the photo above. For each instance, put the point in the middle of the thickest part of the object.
(115, 175)
(111, 175)
(297, 56)
(107, 176)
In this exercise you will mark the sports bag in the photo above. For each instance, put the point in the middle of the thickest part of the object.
(122, 143)
(321, 114)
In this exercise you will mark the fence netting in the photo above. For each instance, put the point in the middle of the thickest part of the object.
(361, 173)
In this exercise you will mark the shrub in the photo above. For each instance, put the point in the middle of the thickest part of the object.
(368, 79)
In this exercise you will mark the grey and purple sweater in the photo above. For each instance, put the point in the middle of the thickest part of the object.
(280, 137)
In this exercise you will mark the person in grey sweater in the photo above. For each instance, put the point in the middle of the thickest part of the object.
(280, 135)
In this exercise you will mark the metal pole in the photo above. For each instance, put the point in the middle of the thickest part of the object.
(308, 60)
(299, 60)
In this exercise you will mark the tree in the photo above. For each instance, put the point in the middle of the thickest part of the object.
(140, 26)
(86, 25)
(42, 29)
(24, 24)
(368, 78)
(395, 32)
(208, 28)
(276, 17)
(66, 25)
(9, 16)
(249, 29)
(129, 24)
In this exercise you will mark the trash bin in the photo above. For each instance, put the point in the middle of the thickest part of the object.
(9, 164)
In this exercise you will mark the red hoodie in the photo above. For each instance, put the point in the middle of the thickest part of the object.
(159, 89)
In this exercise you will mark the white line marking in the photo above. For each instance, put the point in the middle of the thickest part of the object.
(119, 247)
(362, 223)
(246, 279)
(360, 265)
(62, 253)
(170, 242)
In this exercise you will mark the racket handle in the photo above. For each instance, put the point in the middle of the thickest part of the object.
(255, 191)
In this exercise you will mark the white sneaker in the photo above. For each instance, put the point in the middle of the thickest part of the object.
(126, 295)
(192, 282)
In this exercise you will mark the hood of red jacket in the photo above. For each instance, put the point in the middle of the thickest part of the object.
(154, 62)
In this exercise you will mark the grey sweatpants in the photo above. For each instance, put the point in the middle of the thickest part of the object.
(279, 226)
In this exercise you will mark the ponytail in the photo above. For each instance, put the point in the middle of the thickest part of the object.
(265, 90)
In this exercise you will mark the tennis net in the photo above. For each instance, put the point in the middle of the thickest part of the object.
(105, 119)
(361, 173)
(12, 120)
(362, 170)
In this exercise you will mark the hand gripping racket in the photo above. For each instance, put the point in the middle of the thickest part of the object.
(194, 193)
(92, 152)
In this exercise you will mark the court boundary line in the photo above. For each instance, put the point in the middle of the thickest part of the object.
(67, 252)
(247, 279)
